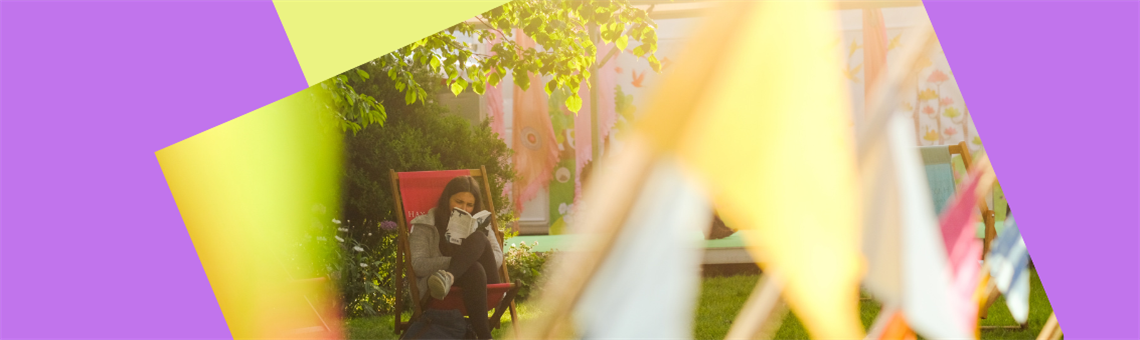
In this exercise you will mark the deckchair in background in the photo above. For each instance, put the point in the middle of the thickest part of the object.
(940, 177)
(415, 193)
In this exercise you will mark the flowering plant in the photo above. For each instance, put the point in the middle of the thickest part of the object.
(365, 268)
(526, 266)
(358, 257)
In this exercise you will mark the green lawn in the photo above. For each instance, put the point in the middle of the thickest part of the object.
(722, 297)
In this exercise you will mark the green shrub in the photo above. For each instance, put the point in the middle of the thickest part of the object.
(417, 137)
(526, 266)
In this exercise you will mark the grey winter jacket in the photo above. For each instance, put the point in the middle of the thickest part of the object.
(426, 256)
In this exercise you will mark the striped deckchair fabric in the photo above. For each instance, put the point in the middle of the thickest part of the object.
(939, 165)
(939, 174)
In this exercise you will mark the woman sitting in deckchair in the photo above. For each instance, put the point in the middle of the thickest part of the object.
(471, 265)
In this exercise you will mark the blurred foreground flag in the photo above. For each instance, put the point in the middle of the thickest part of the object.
(759, 113)
(1009, 261)
(907, 266)
(649, 284)
(962, 248)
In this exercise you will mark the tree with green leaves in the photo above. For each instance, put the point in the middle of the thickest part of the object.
(565, 30)
(420, 137)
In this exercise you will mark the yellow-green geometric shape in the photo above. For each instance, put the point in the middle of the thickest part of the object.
(334, 36)
(246, 191)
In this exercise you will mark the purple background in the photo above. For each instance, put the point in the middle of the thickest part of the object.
(93, 246)
(1053, 89)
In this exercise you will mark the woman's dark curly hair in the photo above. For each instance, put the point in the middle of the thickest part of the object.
(443, 211)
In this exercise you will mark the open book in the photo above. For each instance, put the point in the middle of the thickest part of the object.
(463, 224)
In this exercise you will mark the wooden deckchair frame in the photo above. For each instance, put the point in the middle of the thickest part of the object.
(404, 255)
(1051, 330)
(988, 217)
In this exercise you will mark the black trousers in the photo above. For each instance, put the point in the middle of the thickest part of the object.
(473, 265)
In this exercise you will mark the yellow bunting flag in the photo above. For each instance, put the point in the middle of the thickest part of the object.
(757, 109)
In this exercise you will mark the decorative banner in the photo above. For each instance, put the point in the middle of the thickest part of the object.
(562, 197)
(584, 138)
(535, 148)
(937, 111)
(493, 96)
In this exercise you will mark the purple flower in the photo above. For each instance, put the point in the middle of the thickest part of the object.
(388, 225)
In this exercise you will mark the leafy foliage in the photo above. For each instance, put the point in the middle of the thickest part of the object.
(559, 120)
(364, 272)
(526, 266)
(354, 110)
(361, 272)
(623, 104)
(417, 138)
(567, 54)
(414, 138)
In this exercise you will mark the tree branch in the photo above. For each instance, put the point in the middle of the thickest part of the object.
(480, 18)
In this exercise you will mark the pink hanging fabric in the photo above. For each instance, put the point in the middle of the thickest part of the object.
(583, 139)
(963, 249)
(494, 98)
(607, 114)
(535, 149)
(607, 79)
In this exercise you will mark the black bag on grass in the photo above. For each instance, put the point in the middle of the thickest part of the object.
(438, 324)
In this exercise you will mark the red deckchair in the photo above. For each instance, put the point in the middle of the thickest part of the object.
(415, 193)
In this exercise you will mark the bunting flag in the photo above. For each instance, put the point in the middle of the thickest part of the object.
(535, 149)
(905, 256)
(759, 120)
(958, 225)
(875, 47)
(1009, 268)
(890, 325)
(760, 115)
(649, 285)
